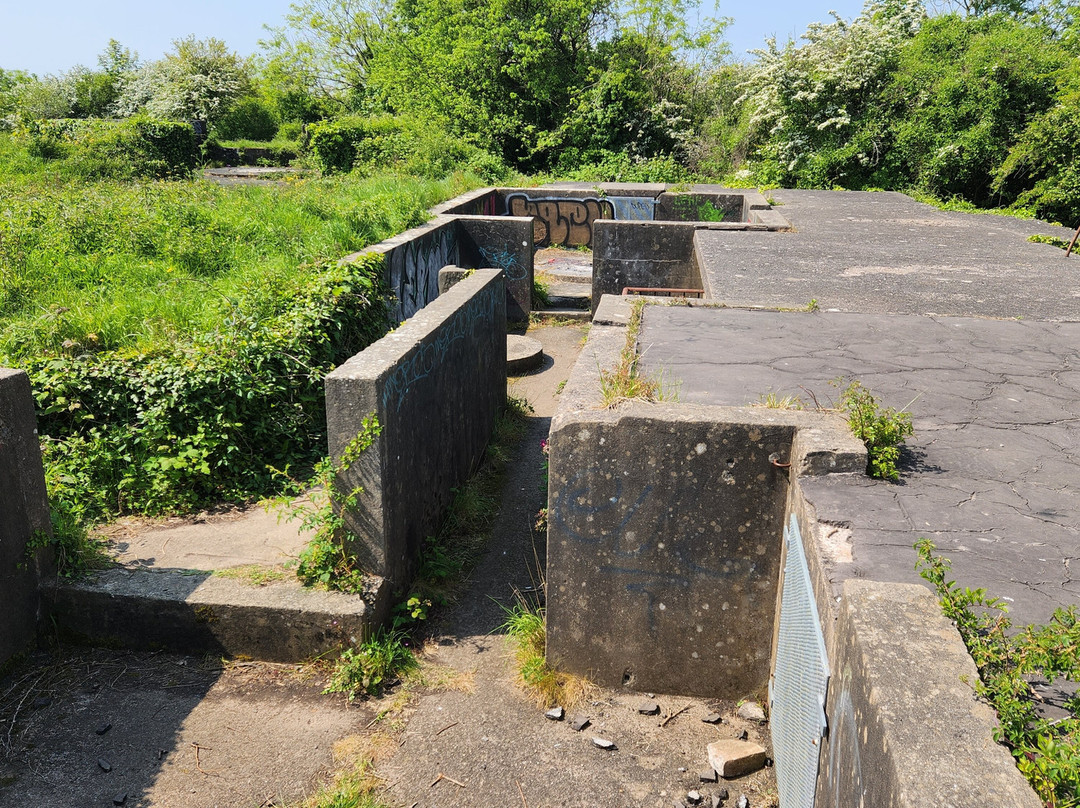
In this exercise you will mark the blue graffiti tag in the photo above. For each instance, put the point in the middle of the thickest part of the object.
(506, 261)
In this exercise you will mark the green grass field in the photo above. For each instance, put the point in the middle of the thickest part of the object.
(108, 265)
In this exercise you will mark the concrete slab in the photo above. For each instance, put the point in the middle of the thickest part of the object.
(884, 252)
(990, 475)
(250, 535)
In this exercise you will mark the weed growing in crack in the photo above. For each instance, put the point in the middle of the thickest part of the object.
(882, 429)
(373, 665)
(623, 382)
(1046, 752)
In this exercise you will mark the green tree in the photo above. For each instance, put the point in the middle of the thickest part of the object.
(200, 79)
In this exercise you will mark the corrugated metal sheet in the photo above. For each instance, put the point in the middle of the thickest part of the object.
(800, 682)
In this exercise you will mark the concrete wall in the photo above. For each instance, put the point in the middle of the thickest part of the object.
(24, 512)
(436, 384)
(501, 243)
(663, 548)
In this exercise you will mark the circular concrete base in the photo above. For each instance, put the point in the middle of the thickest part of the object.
(522, 354)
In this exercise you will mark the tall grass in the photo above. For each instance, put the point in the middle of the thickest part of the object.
(92, 266)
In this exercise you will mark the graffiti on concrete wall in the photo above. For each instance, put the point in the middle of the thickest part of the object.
(560, 220)
(413, 268)
(844, 784)
(634, 208)
(505, 260)
(476, 316)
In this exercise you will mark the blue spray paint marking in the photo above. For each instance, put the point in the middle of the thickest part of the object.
(506, 261)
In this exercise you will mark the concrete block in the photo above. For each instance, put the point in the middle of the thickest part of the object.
(24, 512)
(450, 276)
(651, 254)
(664, 547)
(501, 242)
(436, 385)
(688, 206)
(902, 704)
(732, 758)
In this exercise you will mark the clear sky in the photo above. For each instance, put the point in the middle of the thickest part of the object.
(50, 36)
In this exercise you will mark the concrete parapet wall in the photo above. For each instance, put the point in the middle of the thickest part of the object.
(412, 259)
(436, 385)
(24, 512)
(905, 726)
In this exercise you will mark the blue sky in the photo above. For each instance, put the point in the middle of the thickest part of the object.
(50, 36)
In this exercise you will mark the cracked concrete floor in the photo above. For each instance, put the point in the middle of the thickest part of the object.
(990, 475)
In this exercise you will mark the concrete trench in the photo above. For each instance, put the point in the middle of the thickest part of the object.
(672, 524)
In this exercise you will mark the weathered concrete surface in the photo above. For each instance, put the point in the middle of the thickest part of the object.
(906, 728)
(202, 613)
(688, 206)
(989, 475)
(450, 276)
(663, 548)
(522, 354)
(210, 541)
(436, 385)
(501, 242)
(884, 252)
(24, 512)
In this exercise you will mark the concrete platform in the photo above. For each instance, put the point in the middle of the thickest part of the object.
(885, 252)
(990, 475)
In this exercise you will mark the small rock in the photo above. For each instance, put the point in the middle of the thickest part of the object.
(744, 802)
(603, 743)
(744, 735)
(555, 714)
(104, 765)
(693, 797)
(723, 794)
(42, 701)
(678, 804)
(751, 711)
(768, 762)
(119, 799)
(707, 775)
(735, 758)
(716, 800)
(103, 729)
(713, 718)
(682, 769)
(579, 722)
(648, 708)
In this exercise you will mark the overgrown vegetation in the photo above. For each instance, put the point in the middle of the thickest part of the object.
(882, 429)
(624, 382)
(327, 562)
(1046, 752)
(525, 625)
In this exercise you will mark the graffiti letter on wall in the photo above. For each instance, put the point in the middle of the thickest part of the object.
(561, 220)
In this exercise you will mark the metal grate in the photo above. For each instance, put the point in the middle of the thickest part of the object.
(800, 682)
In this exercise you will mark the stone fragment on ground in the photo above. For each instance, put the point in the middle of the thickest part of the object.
(603, 743)
(713, 718)
(579, 722)
(555, 714)
(744, 802)
(707, 775)
(751, 711)
(734, 758)
(648, 708)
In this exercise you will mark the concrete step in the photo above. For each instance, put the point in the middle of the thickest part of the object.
(202, 612)
(213, 584)
(583, 315)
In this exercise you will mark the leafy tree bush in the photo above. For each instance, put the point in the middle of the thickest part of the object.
(199, 79)
(963, 92)
(247, 119)
(137, 147)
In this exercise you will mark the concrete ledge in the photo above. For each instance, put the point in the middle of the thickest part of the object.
(906, 729)
(199, 613)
